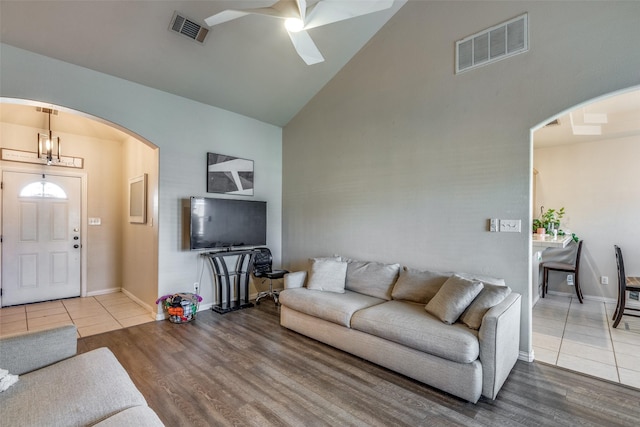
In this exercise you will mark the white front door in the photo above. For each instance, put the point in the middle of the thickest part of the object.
(41, 242)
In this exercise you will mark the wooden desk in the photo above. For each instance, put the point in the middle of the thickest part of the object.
(541, 242)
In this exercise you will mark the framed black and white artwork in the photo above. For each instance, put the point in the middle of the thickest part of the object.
(229, 175)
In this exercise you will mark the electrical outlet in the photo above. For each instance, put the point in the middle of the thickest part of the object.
(493, 225)
(510, 225)
(196, 287)
(570, 280)
(604, 280)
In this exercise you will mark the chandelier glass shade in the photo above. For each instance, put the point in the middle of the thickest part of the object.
(49, 145)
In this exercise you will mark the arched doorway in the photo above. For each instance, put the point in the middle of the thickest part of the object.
(110, 156)
(586, 162)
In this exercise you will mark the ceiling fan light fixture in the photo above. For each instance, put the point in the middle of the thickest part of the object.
(294, 25)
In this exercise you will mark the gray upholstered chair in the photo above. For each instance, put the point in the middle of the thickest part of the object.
(565, 267)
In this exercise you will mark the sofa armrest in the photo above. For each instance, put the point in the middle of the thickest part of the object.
(25, 352)
(499, 337)
(296, 279)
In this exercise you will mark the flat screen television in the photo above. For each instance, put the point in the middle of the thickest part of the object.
(225, 223)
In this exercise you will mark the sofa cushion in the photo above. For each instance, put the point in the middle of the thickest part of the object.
(486, 280)
(408, 324)
(329, 306)
(453, 298)
(78, 391)
(138, 416)
(418, 285)
(371, 278)
(327, 275)
(490, 296)
(21, 352)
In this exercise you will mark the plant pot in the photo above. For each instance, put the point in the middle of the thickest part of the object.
(541, 231)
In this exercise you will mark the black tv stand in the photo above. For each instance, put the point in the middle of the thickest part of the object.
(223, 277)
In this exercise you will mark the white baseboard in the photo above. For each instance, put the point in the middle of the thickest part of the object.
(527, 357)
(104, 292)
(587, 297)
(155, 311)
(252, 297)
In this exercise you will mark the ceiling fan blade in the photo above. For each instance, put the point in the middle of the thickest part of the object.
(282, 9)
(330, 11)
(302, 8)
(305, 47)
(222, 17)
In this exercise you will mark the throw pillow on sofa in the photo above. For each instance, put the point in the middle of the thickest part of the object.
(418, 285)
(487, 280)
(295, 279)
(371, 278)
(327, 275)
(490, 296)
(453, 298)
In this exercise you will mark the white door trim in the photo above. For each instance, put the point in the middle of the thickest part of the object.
(60, 171)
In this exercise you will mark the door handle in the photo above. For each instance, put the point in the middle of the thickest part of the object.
(76, 246)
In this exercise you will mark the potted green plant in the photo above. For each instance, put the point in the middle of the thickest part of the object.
(549, 220)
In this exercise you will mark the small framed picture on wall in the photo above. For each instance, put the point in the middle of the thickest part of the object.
(138, 199)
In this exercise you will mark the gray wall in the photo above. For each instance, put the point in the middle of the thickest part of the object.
(183, 130)
(398, 159)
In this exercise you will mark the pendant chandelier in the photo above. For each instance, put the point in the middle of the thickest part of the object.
(49, 145)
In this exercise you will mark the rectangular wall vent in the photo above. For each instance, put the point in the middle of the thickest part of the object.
(188, 28)
(493, 44)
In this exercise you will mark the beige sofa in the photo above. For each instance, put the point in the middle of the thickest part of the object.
(399, 318)
(58, 388)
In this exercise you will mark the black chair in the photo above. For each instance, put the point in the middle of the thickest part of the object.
(566, 267)
(263, 269)
(623, 287)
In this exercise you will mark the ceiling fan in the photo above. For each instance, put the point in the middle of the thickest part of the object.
(298, 18)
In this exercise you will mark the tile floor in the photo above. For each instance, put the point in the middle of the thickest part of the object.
(580, 337)
(91, 315)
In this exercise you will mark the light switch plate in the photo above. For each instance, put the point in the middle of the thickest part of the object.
(510, 225)
(95, 221)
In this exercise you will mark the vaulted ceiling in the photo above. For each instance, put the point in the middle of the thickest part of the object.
(247, 66)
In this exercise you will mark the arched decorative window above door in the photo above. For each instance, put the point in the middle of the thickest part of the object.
(43, 189)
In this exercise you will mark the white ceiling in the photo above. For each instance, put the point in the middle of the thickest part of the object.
(247, 66)
(623, 120)
(63, 122)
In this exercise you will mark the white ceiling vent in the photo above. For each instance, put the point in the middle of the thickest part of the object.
(493, 44)
(188, 28)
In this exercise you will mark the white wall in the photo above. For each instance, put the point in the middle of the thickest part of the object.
(140, 241)
(599, 187)
(398, 159)
(183, 130)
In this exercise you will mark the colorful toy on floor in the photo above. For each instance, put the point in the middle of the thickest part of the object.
(181, 307)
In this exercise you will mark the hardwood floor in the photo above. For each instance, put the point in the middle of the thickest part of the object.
(242, 368)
